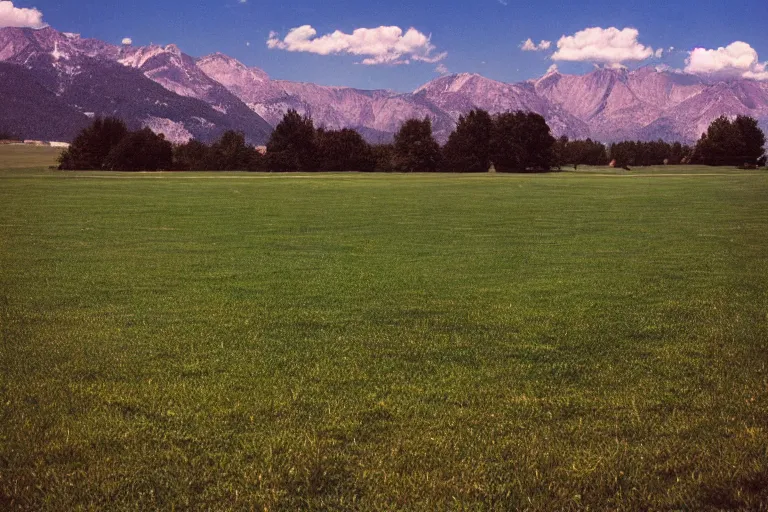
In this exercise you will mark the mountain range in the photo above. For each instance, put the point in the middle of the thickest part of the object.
(52, 82)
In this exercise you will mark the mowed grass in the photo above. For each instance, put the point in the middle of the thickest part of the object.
(383, 342)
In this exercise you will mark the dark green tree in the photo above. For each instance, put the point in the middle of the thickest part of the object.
(596, 153)
(727, 142)
(192, 156)
(384, 157)
(257, 162)
(292, 146)
(677, 154)
(415, 149)
(469, 146)
(560, 156)
(92, 145)
(584, 152)
(633, 153)
(521, 142)
(230, 153)
(142, 150)
(752, 137)
(343, 150)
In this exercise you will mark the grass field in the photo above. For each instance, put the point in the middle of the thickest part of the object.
(384, 342)
(27, 157)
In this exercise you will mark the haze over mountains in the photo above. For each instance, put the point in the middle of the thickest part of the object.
(51, 83)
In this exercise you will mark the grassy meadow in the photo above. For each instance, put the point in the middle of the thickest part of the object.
(223, 341)
(16, 156)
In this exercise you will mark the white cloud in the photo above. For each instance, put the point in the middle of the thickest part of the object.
(666, 68)
(503, 2)
(11, 16)
(609, 46)
(659, 53)
(127, 40)
(529, 46)
(442, 69)
(552, 69)
(738, 59)
(381, 45)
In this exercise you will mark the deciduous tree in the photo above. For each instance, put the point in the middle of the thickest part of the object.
(384, 158)
(521, 142)
(416, 150)
(292, 146)
(191, 156)
(92, 145)
(729, 142)
(343, 150)
(231, 153)
(142, 150)
(469, 146)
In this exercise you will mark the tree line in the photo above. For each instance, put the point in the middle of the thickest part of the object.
(510, 142)
(738, 142)
(625, 154)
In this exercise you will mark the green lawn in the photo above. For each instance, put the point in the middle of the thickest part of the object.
(384, 342)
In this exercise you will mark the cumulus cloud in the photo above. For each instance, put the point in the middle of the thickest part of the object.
(11, 16)
(609, 46)
(529, 46)
(127, 40)
(738, 59)
(442, 69)
(381, 45)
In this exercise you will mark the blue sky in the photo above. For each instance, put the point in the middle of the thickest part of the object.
(480, 36)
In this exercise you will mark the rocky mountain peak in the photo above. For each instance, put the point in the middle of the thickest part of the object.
(223, 59)
(228, 70)
(605, 104)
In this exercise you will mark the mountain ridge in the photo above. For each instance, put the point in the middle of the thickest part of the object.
(165, 90)
(217, 92)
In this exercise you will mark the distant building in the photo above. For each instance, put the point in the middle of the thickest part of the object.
(262, 149)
